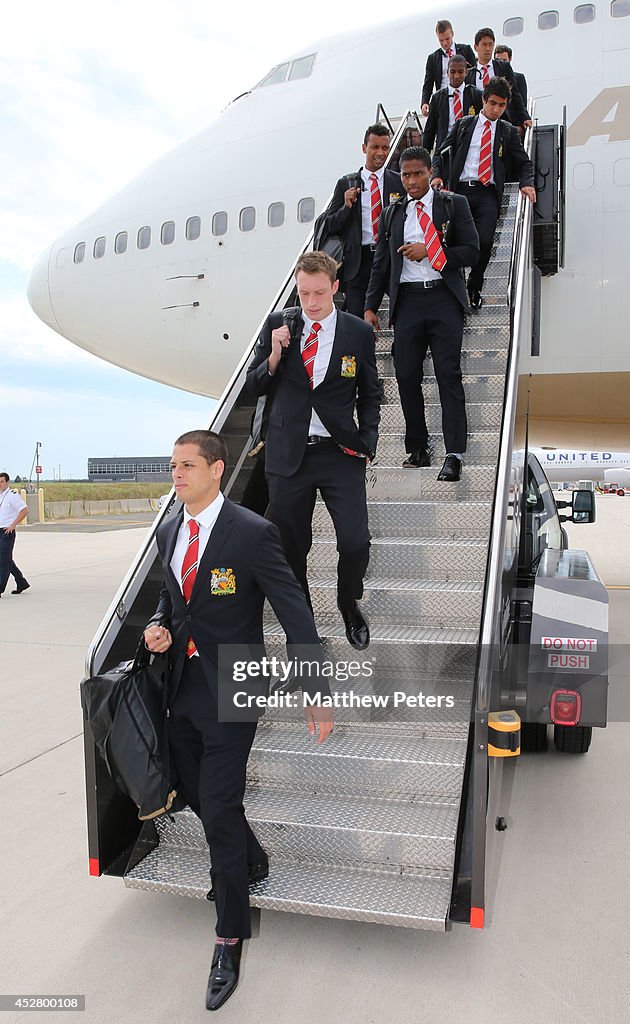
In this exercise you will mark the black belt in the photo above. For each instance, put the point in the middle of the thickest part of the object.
(371, 247)
(317, 439)
(420, 285)
(475, 183)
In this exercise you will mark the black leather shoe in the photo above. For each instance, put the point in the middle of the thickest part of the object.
(20, 590)
(226, 965)
(475, 298)
(419, 457)
(451, 470)
(357, 629)
(255, 873)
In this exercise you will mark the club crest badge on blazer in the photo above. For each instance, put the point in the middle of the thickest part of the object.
(471, 111)
(222, 581)
(348, 366)
(394, 197)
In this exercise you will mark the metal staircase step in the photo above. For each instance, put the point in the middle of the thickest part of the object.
(482, 448)
(408, 901)
(487, 329)
(434, 558)
(353, 763)
(473, 361)
(480, 415)
(392, 481)
(390, 518)
(477, 388)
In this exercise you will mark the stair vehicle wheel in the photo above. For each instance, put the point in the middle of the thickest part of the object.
(533, 737)
(572, 739)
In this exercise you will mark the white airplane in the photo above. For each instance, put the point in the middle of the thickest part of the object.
(562, 464)
(171, 276)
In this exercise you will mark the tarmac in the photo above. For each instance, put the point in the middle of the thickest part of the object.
(558, 947)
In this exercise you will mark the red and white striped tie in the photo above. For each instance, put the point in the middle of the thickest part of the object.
(435, 252)
(485, 74)
(457, 106)
(310, 351)
(485, 154)
(375, 202)
(189, 573)
(449, 52)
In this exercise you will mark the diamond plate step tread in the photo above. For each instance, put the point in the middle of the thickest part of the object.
(391, 518)
(436, 558)
(392, 481)
(473, 361)
(477, 388)
(482, 448)
(355, 745)
(480, 416)
(409, 901)
(397, 635)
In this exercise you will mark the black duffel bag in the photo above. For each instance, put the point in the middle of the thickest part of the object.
(125, 710)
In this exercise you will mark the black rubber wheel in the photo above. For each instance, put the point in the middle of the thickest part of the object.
(572, 739)
(533, 737)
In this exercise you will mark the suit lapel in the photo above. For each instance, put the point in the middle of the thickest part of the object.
(336, 352)
(220, 532)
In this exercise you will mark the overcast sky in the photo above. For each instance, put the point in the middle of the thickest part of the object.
(90, 96)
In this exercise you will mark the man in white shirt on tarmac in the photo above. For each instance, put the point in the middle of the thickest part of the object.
(12, 511)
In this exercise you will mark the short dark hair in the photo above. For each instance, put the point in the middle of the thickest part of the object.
(502, 48)
(497, 87)
(210, 445)
(415, 153)
(375, 129)
(479, 35)
(443, 26)
(6, 476)
(457, 58)
(317, 263)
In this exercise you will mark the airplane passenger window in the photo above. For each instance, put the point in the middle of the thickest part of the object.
(220, 223)
(275, 215)
(513, 27)
(301, 68)
(306, 210)
(120, 242)
(99, 248)
(583, 14)
(276, 75)
(247, 219)
(620, 8)
(144, 237)
(548, 19)
(193, 228)
(167, 234)
(79, 252)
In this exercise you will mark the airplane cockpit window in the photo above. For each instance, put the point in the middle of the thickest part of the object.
(301, 68)
(513, 27)
(79, 252)
(167, 234)
(620, 8)
(247, 219)
(306, 210)
(193, 228)
(99, 248)
(120, 243)
(276, 75)
(144, 237)
(583, 14)
(548, 19)
(275, 215)
(220, 223)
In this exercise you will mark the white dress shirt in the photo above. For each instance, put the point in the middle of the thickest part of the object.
(479, 69)
(445, 60)
(470, 171)
(206, 519)
(451, 110)
(367, 235)
(11, 505)
(325, 339)
(411, 269)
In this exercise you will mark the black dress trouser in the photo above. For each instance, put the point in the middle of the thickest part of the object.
(484, 206)
(210, 760)
(340, 479)
(430, 318)
(355, 289)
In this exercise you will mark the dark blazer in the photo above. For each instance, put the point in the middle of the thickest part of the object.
(247, 546)
(436, 128)
(347, 222)
(516, 110)
(510, 162)
(433, 72)
(462, 252)
(351, 384)
(521, 84)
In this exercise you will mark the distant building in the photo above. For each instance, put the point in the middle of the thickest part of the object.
(141, 469)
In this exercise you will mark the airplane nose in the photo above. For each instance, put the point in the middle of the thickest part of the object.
(38, 291)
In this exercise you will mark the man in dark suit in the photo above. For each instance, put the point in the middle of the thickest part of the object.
(313, 443)
(354, 211)
(486, 68)
(427, 301)
(450, 104)
(503, 52)
(436, 73)
(220, 561)
(484, 150)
